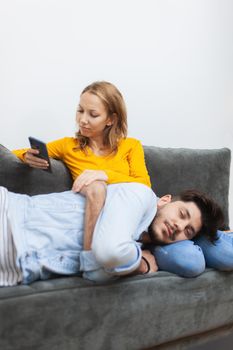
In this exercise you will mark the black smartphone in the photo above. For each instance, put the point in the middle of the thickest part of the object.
(41, 146)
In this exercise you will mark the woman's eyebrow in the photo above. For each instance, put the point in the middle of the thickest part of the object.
(94, 110)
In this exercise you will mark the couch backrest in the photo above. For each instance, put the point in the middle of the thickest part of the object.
(175, 169)
(171, 170)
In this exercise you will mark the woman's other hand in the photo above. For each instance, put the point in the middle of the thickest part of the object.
(30, 157)
(87, 177)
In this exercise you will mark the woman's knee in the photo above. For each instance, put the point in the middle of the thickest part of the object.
(218, 255)
(182, 258)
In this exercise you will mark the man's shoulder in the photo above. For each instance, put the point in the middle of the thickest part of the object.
(133, 188)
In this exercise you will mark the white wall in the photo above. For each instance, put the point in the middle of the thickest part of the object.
(172, 59)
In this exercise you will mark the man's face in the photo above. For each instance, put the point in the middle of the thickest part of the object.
(176, 221)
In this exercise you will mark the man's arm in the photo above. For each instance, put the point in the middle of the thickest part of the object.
(95, 194)
(128, 210)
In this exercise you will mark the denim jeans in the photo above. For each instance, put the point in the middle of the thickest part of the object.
(220, 254)
(189, 258)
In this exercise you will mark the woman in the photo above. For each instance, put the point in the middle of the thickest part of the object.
(100, 153)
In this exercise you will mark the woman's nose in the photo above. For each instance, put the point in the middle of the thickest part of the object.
(83, 119)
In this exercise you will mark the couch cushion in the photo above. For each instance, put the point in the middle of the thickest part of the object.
(20, 178)
(132, 313)
(173, 170)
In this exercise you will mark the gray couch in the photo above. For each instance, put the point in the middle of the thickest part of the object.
(159, 311)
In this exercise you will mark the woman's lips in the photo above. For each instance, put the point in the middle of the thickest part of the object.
(83, 128)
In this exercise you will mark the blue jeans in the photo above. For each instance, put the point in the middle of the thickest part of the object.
(189, 258)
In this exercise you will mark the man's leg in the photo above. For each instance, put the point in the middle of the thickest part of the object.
(220, 254)
(183, 258)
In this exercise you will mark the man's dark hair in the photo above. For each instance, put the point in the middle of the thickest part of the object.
(211, 213)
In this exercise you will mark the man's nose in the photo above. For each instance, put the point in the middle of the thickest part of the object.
(180, 225)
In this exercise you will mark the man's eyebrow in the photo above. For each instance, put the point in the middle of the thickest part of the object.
(194, 232)
(187, 213)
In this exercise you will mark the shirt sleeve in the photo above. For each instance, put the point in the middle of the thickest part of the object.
(137, 168)
(128, 211)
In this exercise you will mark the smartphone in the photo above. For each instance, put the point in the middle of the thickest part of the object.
(41, 146)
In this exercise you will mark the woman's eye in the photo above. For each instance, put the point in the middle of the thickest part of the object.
(79, 111)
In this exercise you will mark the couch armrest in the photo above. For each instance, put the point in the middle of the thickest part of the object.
(20, 178)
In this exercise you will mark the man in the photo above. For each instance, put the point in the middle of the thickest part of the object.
(177, 221)
(46, 231)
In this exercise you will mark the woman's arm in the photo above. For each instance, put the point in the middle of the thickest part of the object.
(29, 155)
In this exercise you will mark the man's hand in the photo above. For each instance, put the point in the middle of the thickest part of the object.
(143, 267)
(87, 177)
(151, 260)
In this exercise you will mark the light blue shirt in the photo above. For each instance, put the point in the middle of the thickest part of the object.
(48, 230)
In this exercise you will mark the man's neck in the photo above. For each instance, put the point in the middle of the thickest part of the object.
(145, 238)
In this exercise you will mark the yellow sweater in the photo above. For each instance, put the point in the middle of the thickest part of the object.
(127, 165)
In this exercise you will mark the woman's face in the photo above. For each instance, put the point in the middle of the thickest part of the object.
(92, 116)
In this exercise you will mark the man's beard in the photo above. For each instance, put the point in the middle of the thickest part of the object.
(155, 238)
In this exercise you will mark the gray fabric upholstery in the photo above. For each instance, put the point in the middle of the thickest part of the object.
(20, 178)
(175, 169)
(134, 313)
(69, 313)
(171, 171)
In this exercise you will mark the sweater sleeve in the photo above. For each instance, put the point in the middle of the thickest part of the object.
(55, 149)
(137, 168)
(20, 153)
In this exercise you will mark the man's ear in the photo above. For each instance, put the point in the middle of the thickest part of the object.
(164, 200)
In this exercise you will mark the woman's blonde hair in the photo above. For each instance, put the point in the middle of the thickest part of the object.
(116, 111)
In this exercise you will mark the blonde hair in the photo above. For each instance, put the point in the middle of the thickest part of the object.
(116, 111)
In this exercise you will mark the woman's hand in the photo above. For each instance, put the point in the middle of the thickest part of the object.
(35, 162)
(87, 177)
